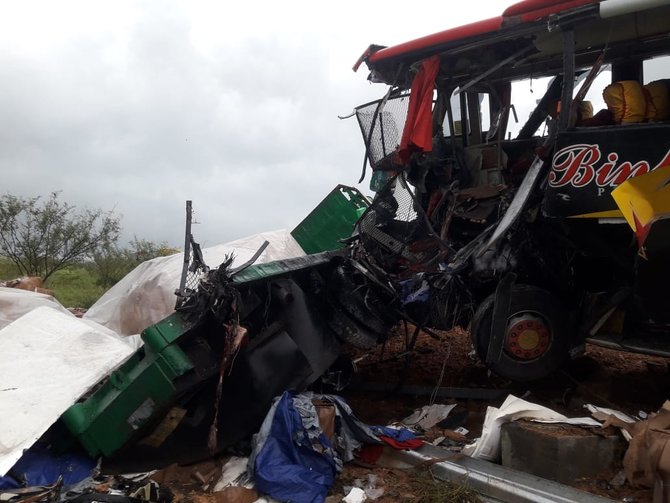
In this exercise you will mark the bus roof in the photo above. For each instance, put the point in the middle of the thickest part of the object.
(522, 12)
(524, 33)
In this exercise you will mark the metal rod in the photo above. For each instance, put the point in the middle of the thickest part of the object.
(187, 248)
(568, 78)
(488, 72)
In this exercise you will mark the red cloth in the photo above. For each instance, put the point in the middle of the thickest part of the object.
(370, 453)
(413, 443)
(417, 136)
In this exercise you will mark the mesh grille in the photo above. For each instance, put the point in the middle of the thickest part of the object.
(193, 278)
(386, 127)
(393, 231)
(194, 269)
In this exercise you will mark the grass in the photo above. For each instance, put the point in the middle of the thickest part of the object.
(76, 286)
(416, 485)
(7, 269)
(429, 489)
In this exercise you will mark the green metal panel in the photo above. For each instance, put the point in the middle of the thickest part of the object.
(165, 332)
(331, 221)
(281, 267)
(125, 402)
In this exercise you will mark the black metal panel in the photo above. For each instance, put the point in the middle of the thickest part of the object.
(588, 163)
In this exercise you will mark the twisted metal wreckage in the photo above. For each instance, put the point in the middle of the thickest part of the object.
(518, 238)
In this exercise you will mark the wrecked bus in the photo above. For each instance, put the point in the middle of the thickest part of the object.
(520, 229)
(541, 231)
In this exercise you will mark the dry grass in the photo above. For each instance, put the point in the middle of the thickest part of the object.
(429, 489)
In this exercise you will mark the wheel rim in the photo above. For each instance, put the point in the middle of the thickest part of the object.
(527, 337)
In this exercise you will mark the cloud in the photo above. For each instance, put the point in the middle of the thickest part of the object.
(140, 106)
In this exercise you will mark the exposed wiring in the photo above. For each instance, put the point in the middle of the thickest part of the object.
(438, 385)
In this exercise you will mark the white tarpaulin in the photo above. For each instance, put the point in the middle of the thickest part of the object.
(48, 360)
(488, 445)
(15, 302)
(146, 295)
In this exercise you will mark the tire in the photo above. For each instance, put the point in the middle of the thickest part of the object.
(529, 353)
(351, 332)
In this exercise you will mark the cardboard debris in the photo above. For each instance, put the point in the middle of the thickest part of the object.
(325, 411)
(611, 417)
(235, 494)
(455, 435)
(647, 460)
(603, 413)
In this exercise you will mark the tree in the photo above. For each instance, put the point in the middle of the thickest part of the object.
(42, 236)
(113, 263)
(143, 249)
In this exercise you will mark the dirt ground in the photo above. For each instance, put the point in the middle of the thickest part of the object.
(627, 382)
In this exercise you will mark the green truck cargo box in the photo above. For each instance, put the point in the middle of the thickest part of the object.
(331, 221)
(126, 401)
(144, 388)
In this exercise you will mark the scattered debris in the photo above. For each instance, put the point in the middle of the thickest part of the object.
(428, 416)
(298, 450)
(467, 225)
(355, 495)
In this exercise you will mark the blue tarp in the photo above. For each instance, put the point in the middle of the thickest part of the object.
(288, 468)
(292, 459)
(39, 467)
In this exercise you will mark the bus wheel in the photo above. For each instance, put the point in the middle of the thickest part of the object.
(536, 338)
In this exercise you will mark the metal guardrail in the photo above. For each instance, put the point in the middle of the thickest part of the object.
(494, 482)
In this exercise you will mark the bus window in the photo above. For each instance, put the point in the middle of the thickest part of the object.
(526, 95)
(656, 69)
(456, 111)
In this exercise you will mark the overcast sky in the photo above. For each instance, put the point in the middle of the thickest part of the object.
(138, 106)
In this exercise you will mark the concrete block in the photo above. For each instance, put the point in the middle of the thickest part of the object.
(559, 452)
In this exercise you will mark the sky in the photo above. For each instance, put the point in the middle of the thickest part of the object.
(135, 107)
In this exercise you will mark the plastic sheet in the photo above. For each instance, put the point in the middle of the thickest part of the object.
(48, 360)
(15, 302)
